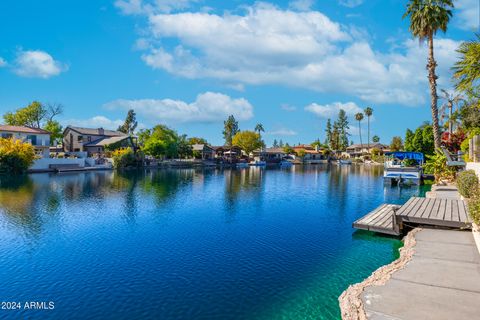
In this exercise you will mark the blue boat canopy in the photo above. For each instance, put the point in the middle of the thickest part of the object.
(401, 155)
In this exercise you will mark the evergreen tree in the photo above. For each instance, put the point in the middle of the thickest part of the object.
(230, 130)
(280, 144)
(328, 134)
(275, 143)
(130, 124)
(409, 140)
(342, 126)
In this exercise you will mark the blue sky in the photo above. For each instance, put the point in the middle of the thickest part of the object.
(189, 63)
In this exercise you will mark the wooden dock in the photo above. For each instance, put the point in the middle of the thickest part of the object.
(390, 219)
(382, 220)
(437, 212)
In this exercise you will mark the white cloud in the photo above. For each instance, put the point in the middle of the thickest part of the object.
(95, 122)
(3, 63)
(350, 3)
(301, 5)
(136, 7)
(208, 107)
(331, 110)
(268, 45)
(37, 64)
(282, 132)
(468, 13)
(287, 107)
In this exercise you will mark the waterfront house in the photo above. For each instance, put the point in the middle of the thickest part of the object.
(38, 138)
(357, 150)
(227, 153)
(203, 151)
(93, 141)
(312, 154)
(270, 155)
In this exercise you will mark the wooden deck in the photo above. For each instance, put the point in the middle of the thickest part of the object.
(390, 219)
(381, 220)
(438, 212)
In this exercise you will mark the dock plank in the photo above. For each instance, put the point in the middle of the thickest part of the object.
(379, 220)
(428, 209)
(407, 205)
(455, 215)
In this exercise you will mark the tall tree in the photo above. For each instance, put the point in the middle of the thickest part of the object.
(230, 130)
(248, 141)
(328, 134)
(259, 129)
(275, 143)
(280, 144)
(197, 140)
(53, 110)
(56, 131)
(396, 144)
(359, 118)
(446, 110)
(368, 112)
(426, 18)
(130, 124)
(467, 68)
(376, 139)
(409, 140)
(32, 115)
(342, 127)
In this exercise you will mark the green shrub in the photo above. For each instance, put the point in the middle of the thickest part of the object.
(437, 164)
(474, 206)
(467, 183)
(123, 158)
(16, 156)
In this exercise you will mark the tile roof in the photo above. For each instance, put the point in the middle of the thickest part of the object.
(23, 129)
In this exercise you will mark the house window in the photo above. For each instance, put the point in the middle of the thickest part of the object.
(79, 138)
(7, 135)
(89, 138)
(32, 138)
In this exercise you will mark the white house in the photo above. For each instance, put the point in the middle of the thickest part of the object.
(38, 138)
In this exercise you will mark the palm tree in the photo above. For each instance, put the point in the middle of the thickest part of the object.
(259, 128)
(426, 18)
(451, 99)
(359, 118)
(467, 68)
(368, 112)
(376, 139)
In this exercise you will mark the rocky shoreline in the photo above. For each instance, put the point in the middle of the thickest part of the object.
(351, 303)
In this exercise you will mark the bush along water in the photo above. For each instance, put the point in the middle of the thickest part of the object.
(437, 165)
(124, 158)
(467, 183)
(16, 156)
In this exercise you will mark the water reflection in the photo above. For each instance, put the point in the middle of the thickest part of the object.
(30, 201)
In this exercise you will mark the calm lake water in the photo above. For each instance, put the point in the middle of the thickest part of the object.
(190, 244)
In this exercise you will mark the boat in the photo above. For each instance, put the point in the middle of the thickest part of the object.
(242, 165)
(403, 168)
(345, 161)
(258, 162)
(285, 163)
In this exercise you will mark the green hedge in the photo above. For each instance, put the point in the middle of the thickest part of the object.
(474, 206)
(467, 183)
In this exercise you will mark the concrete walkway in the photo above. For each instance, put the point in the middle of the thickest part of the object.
(442, 281)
